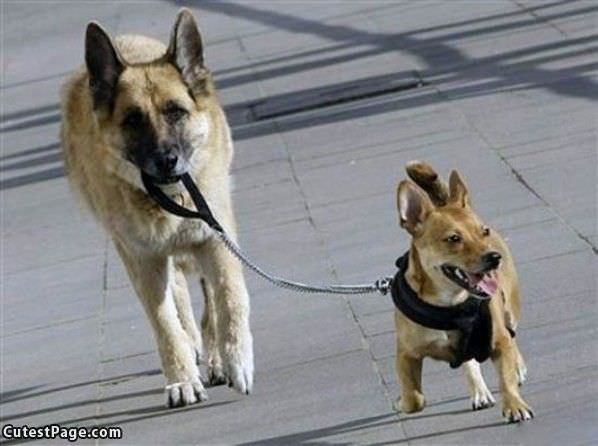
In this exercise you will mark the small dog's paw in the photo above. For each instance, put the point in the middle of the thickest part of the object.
(412, 403)
(517, 411)
(482, 399)
(185, 393)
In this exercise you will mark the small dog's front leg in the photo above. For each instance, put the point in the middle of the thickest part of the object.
(409, 371)
(481, 397)
(225, 277)
(505, 358)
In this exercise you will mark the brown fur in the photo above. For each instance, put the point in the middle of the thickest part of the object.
(430, 218)
(156, 247)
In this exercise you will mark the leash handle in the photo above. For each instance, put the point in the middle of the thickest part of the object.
(204, 213)
(203, 210)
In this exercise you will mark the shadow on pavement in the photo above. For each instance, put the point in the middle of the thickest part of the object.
(16, 395)
(144, 413)
(508, 71)
(318, 436)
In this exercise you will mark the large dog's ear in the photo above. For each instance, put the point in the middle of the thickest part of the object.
(426, 177)
(458, 189)
(413, 207)
(186, 50)
(103, 65)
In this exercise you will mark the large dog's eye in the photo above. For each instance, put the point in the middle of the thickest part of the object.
(454, 238)
(133, 118)
(485, 231)
(174, 112)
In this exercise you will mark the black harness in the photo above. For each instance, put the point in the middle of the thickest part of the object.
(471, 318)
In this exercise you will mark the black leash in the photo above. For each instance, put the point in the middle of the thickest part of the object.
(204, 213)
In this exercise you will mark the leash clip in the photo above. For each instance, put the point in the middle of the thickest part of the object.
(383, 285)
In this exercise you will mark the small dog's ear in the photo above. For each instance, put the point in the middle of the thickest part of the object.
(186, 50)
(413, 207)
(426, 177)
(458, 190)
(103, 65)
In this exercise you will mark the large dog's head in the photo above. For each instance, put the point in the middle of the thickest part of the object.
(456, 250)
(151, 104)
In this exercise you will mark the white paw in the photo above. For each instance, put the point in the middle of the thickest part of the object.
(521, 373)
(216, 376)
(240, 378)
(238, 366)
(482, 398)
(185, 393)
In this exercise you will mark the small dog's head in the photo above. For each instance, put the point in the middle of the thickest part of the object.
(455, 248)
(152, 110)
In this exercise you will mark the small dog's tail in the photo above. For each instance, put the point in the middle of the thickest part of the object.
(426, 177)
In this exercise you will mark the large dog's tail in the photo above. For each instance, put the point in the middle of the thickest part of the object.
(426, 177)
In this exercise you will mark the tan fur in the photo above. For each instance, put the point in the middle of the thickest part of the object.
(155, 246)
(444, 210)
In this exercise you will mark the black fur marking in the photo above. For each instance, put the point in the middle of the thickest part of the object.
(141, 140)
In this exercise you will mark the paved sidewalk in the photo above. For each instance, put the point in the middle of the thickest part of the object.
(328, 100)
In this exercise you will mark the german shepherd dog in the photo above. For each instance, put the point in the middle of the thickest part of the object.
(454, 255)
(139, 106)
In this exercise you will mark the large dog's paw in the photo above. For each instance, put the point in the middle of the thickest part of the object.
(216, 376)
(481, 398)
(238, 365)
(240, 377)
(516, 410)
(214, 371)
(185, 393)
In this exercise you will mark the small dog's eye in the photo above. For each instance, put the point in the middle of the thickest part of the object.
(454, 238)
(174, 113)
(133, 118)
(486, 231)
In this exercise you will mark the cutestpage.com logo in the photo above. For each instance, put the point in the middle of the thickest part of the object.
(54, 431)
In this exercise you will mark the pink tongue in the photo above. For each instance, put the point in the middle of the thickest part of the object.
(488, 285)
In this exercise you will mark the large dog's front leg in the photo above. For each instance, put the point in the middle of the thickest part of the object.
(153, 277)
(225, 279)
(209, 333)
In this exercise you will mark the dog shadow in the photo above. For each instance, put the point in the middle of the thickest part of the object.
(116, 418)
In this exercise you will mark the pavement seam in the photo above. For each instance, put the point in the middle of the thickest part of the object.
(516, 173)
(539, 18)
(44, 327)
(309, 215)
(101, 336)
(322, 243)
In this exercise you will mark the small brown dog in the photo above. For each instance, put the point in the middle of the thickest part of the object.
(457, 294)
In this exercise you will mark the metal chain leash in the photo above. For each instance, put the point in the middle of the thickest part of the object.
(381, 285)
(204, 213)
